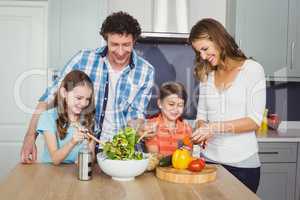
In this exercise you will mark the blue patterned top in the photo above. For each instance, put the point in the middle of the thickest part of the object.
(133, 90)
(47, 122)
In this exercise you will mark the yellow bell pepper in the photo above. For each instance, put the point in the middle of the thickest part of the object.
(181, 159)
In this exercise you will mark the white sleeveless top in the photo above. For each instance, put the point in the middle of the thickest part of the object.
(246, 97)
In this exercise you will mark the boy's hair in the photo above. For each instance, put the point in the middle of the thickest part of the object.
(169, 88)
(121, 23)
(73, 79)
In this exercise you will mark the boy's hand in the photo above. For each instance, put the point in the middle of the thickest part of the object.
(148, 129)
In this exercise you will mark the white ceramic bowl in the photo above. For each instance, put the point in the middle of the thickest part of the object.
(122, 170)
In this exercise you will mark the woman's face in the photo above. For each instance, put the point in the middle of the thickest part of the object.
(78, 99)
(208, 51)
(171, 107)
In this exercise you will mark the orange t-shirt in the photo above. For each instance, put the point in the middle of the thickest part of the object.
(166, 139)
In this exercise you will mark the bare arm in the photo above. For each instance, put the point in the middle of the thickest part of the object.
(237, 126)
(29, 151)
(205, 131)
(58, 155)
(200, 123)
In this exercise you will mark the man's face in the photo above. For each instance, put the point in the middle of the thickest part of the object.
(120, 47)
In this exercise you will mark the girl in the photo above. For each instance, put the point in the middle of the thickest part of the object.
(231, 102)
(74, 101)
(170, 127)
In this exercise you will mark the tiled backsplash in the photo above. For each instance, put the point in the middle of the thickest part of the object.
(174, 62)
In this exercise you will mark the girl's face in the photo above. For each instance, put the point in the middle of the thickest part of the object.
(77, 99)
(208, 51)
(171, 107)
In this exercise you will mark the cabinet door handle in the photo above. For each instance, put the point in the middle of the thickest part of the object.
(292, 55)
(269, 153)
(240, 44)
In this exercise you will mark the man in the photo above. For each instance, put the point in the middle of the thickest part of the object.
(122, 81)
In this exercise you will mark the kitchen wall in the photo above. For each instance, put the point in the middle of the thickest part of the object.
(174, 62)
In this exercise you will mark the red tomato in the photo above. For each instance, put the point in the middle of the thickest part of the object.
(196, 165)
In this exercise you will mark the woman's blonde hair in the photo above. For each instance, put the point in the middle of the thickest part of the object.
(214, 31)
(73, 79)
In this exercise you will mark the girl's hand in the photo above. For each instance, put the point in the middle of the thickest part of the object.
(202, 135)
(78, 135)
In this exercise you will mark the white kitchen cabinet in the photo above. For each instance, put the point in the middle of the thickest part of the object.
(277, 181)
(267, 31)
(73, 25)
(199, 9)
(189, 12)
(278, 171)
(296, 34)
(23, 69)
(139, 9)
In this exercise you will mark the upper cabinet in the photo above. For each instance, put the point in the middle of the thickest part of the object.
(175, 16)
(140, 9)
(73, 25)
(268, 31)
(296, 43)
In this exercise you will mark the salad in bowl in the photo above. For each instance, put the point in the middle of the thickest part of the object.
(121, 158)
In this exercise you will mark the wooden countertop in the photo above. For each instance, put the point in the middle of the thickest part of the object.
(47, 182)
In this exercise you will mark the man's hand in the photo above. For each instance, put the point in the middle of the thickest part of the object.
(28, 150)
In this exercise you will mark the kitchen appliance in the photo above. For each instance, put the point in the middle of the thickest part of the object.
(170, 22)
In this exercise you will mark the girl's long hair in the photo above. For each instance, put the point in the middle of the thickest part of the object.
(73, 79)
(214, 31)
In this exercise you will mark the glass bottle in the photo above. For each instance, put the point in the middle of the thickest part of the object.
(263, 129)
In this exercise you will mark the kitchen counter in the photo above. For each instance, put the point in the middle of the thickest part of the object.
(48, 182)
(284, 135)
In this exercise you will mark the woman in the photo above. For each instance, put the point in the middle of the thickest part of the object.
(231, 101)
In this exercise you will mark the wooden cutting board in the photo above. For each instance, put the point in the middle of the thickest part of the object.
(185, 176)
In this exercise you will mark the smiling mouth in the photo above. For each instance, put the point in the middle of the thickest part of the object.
(174, 115)
(80, 109)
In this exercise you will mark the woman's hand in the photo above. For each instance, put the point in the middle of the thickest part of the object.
(201, 135)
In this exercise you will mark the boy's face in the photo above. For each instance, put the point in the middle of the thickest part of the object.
(120, 47)
(171, 107)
